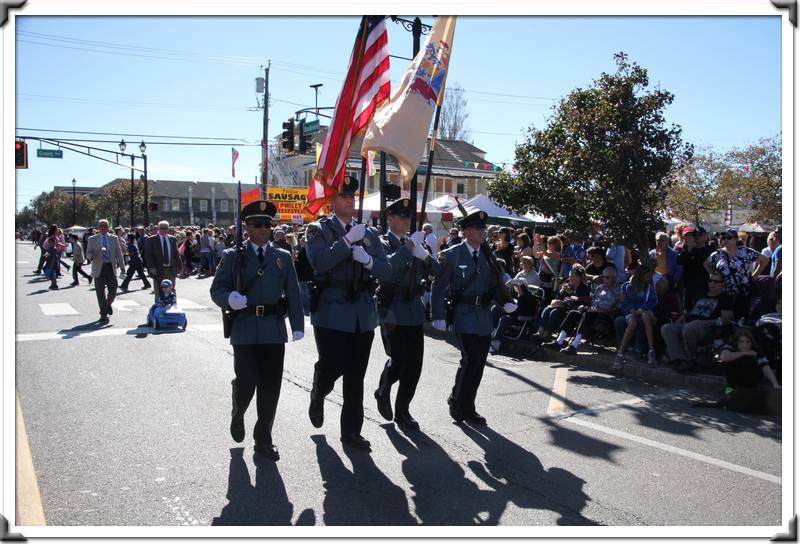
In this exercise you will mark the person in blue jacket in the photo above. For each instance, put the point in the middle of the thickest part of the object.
(639, 301)
(347, 258)
(402, 313)
(269, 289)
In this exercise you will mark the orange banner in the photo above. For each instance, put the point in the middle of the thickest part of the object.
(250, 196)
(291, 201)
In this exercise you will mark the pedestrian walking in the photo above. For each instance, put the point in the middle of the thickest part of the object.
(78, 260)
(269, 290)
(162, 256)
(52, 247)
(103, 251)
(469, 285)
(346, 257)
(402, 313)
(134, 264)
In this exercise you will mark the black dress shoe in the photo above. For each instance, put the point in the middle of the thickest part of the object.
(90, 279)
(554, 345)
(475, 418)
(316, 412)
(110, 310)
(267, 450)
(405, 420)
(357, 441)
(384, 404)
(103, 319)
(455, 411)
(237, 428)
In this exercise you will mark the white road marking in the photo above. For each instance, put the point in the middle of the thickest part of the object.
(60, 308)
(125, 305)
(556, 404)
(673, 449)
(185, 304)
(23, 262)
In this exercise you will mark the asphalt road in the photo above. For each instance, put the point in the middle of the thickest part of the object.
(127, 426)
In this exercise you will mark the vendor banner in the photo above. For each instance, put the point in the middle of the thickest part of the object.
(290, 202)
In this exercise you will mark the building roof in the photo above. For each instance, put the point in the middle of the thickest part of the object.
(200, 189)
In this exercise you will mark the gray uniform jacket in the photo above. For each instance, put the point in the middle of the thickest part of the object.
(401, 311)
(278, 277)
(331, 259)
(457, 269)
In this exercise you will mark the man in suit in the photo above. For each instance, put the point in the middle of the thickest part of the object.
(468, 281)
(402, 313)
(346, 257)
(103, 251)
(269, 288)
(161, 256)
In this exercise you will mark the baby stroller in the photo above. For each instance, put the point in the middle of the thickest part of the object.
(165, 317)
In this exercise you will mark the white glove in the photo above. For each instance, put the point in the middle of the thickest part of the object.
(433, 243)
(509, 307)
(360, 255)
(420, 252)
(237, 301)
(439, 324)
(356, 233)
(297, 335)
(417, 237)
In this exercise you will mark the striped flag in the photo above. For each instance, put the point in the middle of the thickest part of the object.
(366, 87)
(234, 156)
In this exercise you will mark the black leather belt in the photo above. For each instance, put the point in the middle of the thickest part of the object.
(474, 300)
(348, 285)
(261, 310)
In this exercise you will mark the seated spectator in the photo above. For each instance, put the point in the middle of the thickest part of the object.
(522, 287)
(573, 293)
(640, 299)
(666, 259)
(572, 254)
(692, 258)
(548, 266)
(524, 249)
(735, 264)
(704, 323)
(527, 275)
(744, 364)
(604, 307)
(599, 263)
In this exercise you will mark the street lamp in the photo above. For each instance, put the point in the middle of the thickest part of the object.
(74, 221)
(316, 87)
(143, 148)
(122, 146)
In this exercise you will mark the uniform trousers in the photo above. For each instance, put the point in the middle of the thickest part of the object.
(258, 367)
(135, 265)
(106, 280)
(404, 345)
(474, 350)
(345, 355)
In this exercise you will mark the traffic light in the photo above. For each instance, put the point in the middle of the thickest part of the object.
(391, 191)
(288, 136)
(21, 154)
(303, 140)
(153, 206)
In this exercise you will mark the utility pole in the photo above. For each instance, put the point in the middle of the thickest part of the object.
(265, 140)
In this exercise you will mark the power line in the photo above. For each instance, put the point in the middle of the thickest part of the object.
(126, 134)
(68, 140)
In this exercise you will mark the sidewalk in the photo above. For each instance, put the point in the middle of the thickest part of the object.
(600, 359)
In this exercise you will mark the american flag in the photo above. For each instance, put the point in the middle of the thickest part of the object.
(234, 156)
(366, 87)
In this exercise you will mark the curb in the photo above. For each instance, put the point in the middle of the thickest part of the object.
(602, 360)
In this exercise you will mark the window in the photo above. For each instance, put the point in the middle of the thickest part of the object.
(165, 206)
(460, 187)
(203, 205)
(175, 205)
(448, 186)
(223, 205)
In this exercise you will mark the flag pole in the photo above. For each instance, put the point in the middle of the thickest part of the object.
(439, 101)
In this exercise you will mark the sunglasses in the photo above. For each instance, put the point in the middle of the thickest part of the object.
(163, 228)
(259, 224)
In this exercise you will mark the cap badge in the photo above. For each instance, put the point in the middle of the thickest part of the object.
(263, 206)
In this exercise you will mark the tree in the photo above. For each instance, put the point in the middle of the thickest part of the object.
(114, 201)
(754, 180)
(25, 218)
(53, 207)
(695, 187)
(606, 154)
(454, 115)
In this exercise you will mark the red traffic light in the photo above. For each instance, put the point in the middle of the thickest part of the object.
(20, 154)
(17, 146)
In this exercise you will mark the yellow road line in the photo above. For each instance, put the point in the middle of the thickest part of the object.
(556, 405)
(29, 500)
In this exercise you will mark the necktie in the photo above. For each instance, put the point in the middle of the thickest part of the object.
(475, 257)
(106, 258)
(165, 249)
(260, 256)
(347, 228)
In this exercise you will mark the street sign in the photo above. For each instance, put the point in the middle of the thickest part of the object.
(50, 153)
(310, 127)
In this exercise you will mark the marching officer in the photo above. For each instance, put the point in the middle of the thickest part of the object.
(346, 258)
(470, 285)
(269, 288)
(402, 313)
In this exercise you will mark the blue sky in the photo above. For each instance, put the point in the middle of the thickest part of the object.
(194, 76)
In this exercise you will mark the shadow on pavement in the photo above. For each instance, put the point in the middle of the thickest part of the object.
(443, 495)
(518, 478)
(264, 502)
(576, 442)
(365, 496)
(78, 330)
(544, 389)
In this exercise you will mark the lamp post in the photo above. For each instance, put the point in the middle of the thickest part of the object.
(316, 87)
(143, 148)
(122, 146)
(74, 221)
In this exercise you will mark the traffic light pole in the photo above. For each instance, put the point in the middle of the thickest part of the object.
(132, 192)
(146, 201)
(265, 140)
